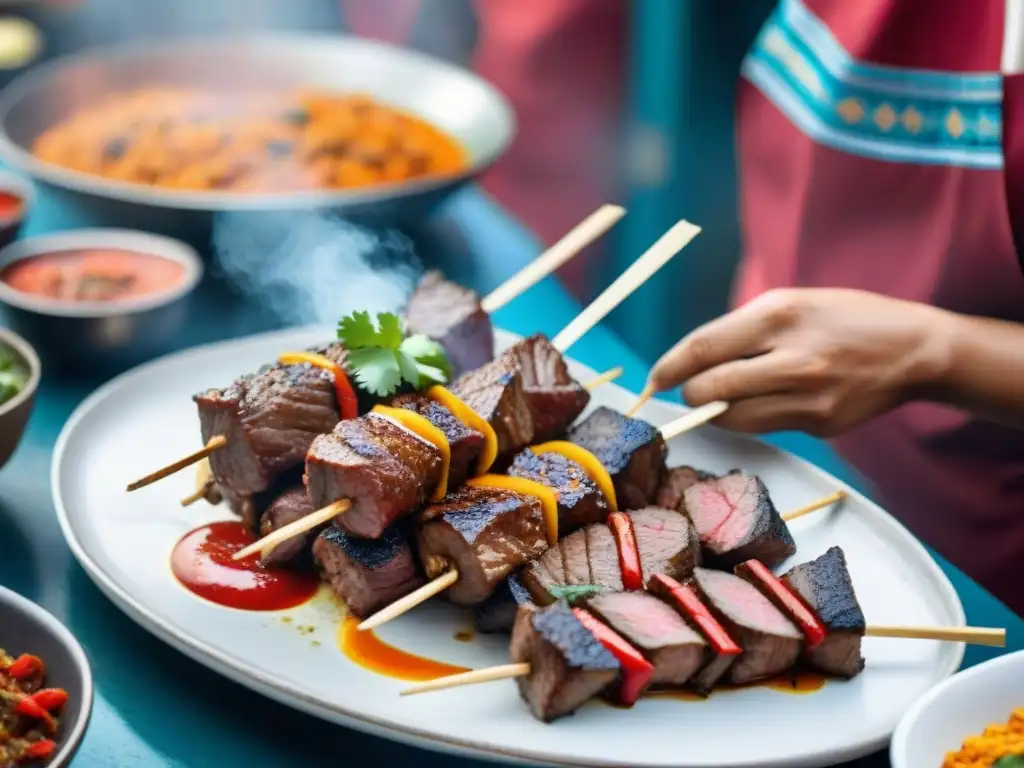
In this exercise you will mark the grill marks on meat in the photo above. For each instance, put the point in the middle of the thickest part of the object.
(631, 450)
(667, 541)
(770, 642)
(464, 443)
(384, 469)
(451, 315)
(737, 521)
(553, 397)
(580, 502)
(825, 586)
(485, 533)
(290, 506)
(656, 630)
(269, 419)
(674, 485)
(498, 612)
(366, 575)
(568, 666)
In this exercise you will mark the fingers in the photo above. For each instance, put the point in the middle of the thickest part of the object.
(776, 372)
(780, 413)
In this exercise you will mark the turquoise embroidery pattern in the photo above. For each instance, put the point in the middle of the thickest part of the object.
(900, 115)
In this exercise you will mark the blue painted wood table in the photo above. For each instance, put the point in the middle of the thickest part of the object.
(155, 707)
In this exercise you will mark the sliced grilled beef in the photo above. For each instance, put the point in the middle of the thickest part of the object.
(452, 316)
(667, 541)
(603, 557)
(631, 450)
(770, 642)
(574, 558)
(290, 506)
(498, 612)
(542, 574)
(825, 586)
(674, 485)
(737, 521)
(568, 666)
(269, 419)
(464, 443)
(384, 469)
(676, 651)
(580, 502)
(485, 533)
(553, 397)
(367, 574)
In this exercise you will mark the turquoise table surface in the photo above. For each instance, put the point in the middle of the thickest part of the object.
(155, 707)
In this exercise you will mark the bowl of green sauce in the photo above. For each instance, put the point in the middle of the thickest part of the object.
(19, 379)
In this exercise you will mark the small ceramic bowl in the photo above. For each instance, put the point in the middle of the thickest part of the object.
(960, 706)
(14, 413)
(101, 336)
(11, 218)
(27, 628)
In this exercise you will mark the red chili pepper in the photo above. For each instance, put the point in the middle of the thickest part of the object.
(38, 750)
(30, 708)
(348, 403)
(636, 670)
(629, 553)
(689, 603)
(25, 666)
(50, 699)
(755, 572)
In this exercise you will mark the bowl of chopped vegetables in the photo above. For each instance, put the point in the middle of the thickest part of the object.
(974, 719)
(19, 378)
(46, 687)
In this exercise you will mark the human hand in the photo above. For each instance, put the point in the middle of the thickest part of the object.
(816, 360)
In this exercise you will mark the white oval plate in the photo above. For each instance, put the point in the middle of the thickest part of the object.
(139, 420)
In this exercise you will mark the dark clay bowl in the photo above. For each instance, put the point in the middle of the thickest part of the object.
(15, 412)
(27, 628)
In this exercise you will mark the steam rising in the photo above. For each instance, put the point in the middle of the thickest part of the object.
(311, 268)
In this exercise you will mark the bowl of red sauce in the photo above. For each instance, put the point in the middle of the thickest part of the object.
(98, 300)
(16, 196)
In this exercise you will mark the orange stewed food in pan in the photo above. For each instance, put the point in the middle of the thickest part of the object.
(1001, 745)
(249, 141)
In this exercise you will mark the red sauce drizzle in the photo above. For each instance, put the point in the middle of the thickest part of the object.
(201, 561)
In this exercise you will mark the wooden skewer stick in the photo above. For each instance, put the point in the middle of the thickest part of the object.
(604, 378)
(410, 601)
(814, 506)
(195, 496)
(504, 672)
(641, 401)
(582, 235)
(694, 419)
(971, 635)
(215, 443)
(303, 524)
(659, 254)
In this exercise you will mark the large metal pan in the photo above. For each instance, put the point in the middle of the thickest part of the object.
(455, 100)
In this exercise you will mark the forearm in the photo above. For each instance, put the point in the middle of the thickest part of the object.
(984, 367)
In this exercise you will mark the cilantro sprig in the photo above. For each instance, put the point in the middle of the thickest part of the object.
(382, 356)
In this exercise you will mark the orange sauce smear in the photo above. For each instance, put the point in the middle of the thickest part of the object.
(201, 562)
(11, 206)
(370, 652)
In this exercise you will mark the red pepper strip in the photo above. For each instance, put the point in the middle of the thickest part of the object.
(24, 666)
(778, 593)
(29, 708)
(687, 601)
(39, 750)
(629, 553)
(50, 699)
(636, 670)
(348, 403)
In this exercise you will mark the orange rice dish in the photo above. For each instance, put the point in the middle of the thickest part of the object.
(999, 743)
(249, 141)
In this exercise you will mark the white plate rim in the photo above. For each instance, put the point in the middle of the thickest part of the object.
(293, 696)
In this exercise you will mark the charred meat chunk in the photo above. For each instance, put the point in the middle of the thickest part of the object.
(382, 468)
(367, 574)
(452, 316)
(770, 642)
(553, 396)
(498, 612)
(568, 666)
(631, 450)
(667, 541)
(485, 533)
(290, 506)
(251, 506)
(737, 521)
(495, 392)
(825, 586)
(674, 485)
(269, 419)
(580, 502)
(676, 651)
(464, 443)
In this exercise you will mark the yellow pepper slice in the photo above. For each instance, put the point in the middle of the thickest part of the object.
(591, 465)
(471, 419)
(547, 496)
(421, 426)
